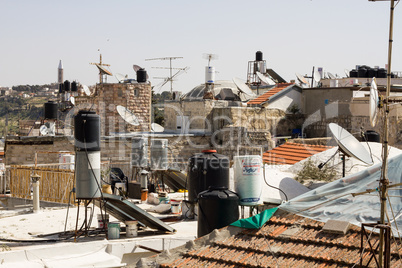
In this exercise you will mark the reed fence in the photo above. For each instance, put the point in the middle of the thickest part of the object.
(55, 184)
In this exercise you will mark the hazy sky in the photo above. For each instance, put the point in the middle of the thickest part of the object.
(294, 36)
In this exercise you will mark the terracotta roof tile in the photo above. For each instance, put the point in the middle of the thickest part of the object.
(265, 97)
(309, 247)
(291, 153)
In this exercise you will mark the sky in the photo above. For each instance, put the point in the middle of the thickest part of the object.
(294, 36)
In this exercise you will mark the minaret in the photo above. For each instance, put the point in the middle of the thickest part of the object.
(60, 73)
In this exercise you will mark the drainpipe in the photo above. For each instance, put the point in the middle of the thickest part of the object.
(36, 199)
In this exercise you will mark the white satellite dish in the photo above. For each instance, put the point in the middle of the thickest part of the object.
(331, 76)
(86, 90)
(243, 87)
(120, 77)
(317, 76)
(127, 115)
(302, 80)
(43, 130)
(265, 79)
(349, 145)
(157, 128)
(374, 102)
(72, 100)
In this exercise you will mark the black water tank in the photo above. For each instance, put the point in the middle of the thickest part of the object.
(51, 108)
(87, 131)
(207, 169)
(61, 88)
(67, 85)
(217, 207)
(353, 73)
(371, 135)
(74, 86)
(258, 56)
(371, 72)
(362, 72)
(141, 75)
(382, 73)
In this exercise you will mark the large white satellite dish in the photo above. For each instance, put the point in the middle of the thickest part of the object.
(103, 70)
(127, 115)
(155, 127)
(349, 145)
(265, 79)
(374, 102)
(243, 87)
(72, 100)
(302, 80)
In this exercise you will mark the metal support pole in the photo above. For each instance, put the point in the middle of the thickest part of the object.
(36, 198)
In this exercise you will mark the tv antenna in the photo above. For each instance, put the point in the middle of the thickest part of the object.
(103, 72)
(170, 78)
(209, 57)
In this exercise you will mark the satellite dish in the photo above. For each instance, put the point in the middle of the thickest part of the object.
(331, 76)
(349, 145)
(86, 90)
(265, 79)
(103, 70)
(127, 115)
(43, 130)
(72, 100)
(373, 103)
(243, 87)
(317, 76)
(120, 77)
(157, 128)
(347, 72)
(302, 80)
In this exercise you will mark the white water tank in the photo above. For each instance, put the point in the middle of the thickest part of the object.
(209, 74)
(248, 179)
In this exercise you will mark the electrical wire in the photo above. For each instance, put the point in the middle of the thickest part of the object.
(286, 197)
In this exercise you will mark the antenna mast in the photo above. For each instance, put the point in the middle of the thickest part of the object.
(170, 78)
(102, 71)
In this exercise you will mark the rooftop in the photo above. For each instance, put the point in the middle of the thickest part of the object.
(284, 241)
(291, 153)
(267, 95)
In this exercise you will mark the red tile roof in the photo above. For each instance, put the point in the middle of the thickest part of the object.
(285, 241)
(265, 97)
(291, 153)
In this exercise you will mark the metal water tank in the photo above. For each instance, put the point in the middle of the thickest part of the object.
(248, 177)
(382, 73)
(207, 169)
(141, 75)
(371, 135)
(362, 72)
(139, 152)
(87, 147)
(217, 207)
(67, 85)
(353, 73)
(74, 86)
(209, 74)
(87, 131)
(159, 154)
(51, 109)
(258, 56)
